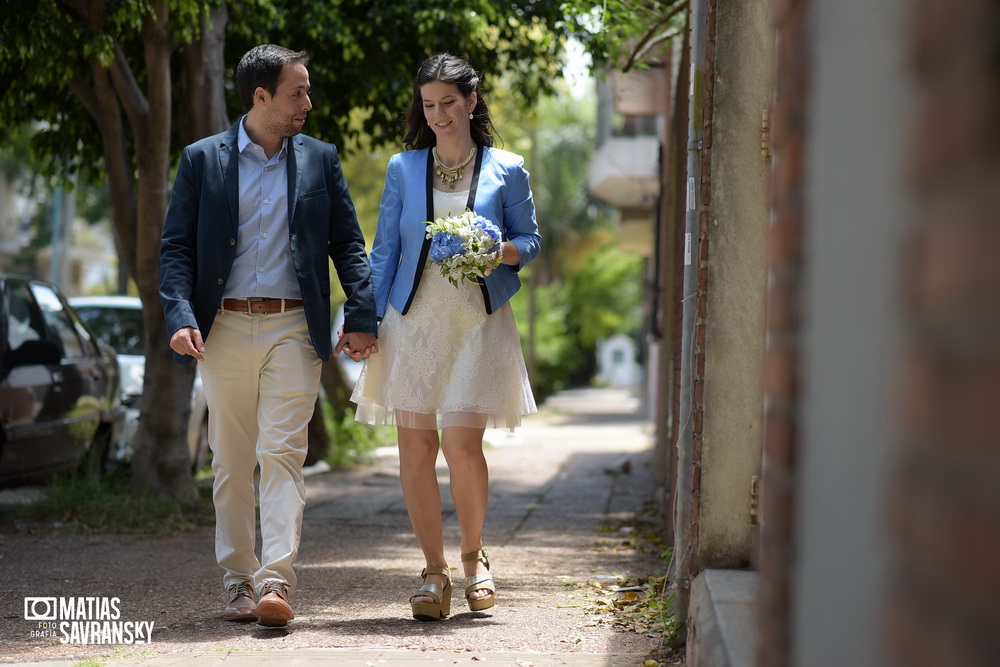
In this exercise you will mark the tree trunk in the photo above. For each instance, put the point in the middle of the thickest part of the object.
(338, 390)
(162, 459)
(318, 435)
(203, 111)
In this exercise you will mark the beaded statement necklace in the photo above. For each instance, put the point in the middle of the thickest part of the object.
(451, 175)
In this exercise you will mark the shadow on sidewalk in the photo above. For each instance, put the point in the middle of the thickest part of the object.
(567, 498)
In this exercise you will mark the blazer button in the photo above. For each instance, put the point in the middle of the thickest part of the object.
(232, 241)
(220, 281)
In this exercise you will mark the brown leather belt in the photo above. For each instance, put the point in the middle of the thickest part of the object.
(260, 305)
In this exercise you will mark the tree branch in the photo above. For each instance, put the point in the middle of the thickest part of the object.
(128, 88)
(116, 162)
(667, 34)
(85, 93)
(644, 45)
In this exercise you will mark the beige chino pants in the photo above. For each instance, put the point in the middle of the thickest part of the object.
(261, 377)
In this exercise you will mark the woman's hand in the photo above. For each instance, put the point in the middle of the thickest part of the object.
(509, 254)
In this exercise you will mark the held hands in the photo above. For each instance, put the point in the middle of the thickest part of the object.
(356, 345)
(188, 341)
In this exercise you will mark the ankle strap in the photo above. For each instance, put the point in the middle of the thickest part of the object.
(479, 554)
(435, 570)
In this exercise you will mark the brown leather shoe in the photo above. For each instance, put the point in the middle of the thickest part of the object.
(273, 609)
(241, 603)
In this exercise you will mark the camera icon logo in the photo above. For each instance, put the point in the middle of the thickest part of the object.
(40, 609)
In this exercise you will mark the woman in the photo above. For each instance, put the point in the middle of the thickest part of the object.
(450, 358)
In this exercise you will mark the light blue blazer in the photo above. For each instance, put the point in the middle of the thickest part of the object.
(499, 192)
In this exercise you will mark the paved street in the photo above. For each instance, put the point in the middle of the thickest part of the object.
(568, 489)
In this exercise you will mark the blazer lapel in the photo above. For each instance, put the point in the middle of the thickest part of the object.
(229, 163)
(429, 210)
(295, 156)
(471, 205)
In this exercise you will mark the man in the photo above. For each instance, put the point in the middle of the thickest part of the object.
(256, 212)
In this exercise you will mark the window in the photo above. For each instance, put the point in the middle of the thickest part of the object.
(121, 328)
(23, 323)
(58, 321)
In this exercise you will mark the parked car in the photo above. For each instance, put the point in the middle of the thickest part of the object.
(59, 402)
(117, 321)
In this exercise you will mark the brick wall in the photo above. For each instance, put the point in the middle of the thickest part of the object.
(700, 248)
(775, 558)
(945, 600)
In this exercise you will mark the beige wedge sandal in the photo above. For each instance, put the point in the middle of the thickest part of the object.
(441, 607)
(479, 582)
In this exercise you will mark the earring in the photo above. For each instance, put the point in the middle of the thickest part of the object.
(470, 115)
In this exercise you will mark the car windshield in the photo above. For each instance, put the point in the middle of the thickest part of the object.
(121, 328)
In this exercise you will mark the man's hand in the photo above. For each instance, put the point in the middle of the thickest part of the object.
(188, 341)
(356, 345)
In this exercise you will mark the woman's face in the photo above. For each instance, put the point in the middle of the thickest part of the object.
(446, 109)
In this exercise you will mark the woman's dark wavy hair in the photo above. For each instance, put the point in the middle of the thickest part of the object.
(261, 67)
(447, 68)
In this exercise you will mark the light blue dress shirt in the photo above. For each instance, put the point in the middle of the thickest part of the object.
(263, 266)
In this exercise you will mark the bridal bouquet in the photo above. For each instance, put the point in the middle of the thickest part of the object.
(463, 246)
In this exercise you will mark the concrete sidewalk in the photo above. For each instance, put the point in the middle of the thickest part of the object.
(568, 491)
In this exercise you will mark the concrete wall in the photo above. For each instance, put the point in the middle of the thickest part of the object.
(855, 209)
(734, 342)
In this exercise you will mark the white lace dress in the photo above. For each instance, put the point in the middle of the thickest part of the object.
(446, 362)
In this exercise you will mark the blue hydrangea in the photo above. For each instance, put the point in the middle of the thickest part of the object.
(488, 227)
(445, 245)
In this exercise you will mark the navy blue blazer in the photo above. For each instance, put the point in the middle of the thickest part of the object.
(499, 192)
(199, 237)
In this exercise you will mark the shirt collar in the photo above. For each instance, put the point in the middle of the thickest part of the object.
(243, 139)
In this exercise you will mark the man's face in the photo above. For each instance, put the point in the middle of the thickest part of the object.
(285, 112)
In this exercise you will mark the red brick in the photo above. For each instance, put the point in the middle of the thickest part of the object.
(970, 404)
(955, 131)
(918, 406)
(786, 115)
(950, 536)
(775, 568)
(919, 639)
(781, 373)
(780, 439)
(787, 171)
(783, 11)
(777, 506)
(784, 235)
(944, 35)
(955, 258)
(781, 312)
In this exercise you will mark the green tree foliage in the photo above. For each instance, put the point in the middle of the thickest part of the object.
(123, 84)
(622, 34)
(594, 299)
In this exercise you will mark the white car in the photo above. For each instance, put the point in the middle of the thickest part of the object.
(117, 321)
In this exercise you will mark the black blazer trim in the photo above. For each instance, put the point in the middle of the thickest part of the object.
(426, 247)
(471, 207)
(229, 159)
